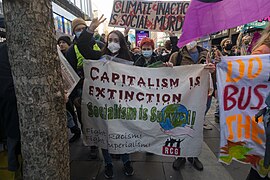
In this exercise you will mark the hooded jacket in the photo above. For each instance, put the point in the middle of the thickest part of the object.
(186, 58)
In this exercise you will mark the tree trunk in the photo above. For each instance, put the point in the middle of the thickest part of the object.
(39, 90)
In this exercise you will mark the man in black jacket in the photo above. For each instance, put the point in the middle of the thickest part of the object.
(84, 47)
(64, 43)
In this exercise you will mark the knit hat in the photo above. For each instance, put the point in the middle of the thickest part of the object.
(147, 41)
(223, 41)
(76, 22)
(64, 38)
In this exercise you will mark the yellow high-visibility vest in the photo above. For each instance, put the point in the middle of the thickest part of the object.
(80, 57)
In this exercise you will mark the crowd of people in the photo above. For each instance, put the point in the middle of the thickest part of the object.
(87, 45)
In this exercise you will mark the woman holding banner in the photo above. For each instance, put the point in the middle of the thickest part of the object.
(116, 46)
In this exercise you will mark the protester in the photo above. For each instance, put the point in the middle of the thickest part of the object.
(136, 51)
(64, 43)
(103, 38)
(148, 57)
(227, 50)
(243, 43)
(8, 106)
(168, 46)
(263, 44)
(158, 50)
(84, 47)
(236, 50)
(255, 38)
(116, 46)
(188, 55)
(226, 45)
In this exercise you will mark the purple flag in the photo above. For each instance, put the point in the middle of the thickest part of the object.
(208, 16)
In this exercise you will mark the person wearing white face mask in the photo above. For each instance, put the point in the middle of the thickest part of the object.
(116, 46)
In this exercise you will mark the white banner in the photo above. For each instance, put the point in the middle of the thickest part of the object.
(243, 84)
(160, 110)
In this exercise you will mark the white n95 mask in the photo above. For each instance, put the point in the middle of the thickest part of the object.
(114, 47)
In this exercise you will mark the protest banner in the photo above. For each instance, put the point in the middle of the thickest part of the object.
(243, 85)
(106, 58)
(149, 15)
(127, 108)
(70, 77)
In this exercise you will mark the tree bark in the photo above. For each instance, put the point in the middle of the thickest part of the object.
(39, 90)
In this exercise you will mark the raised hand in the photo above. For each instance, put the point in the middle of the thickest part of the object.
(171, 34)
(126, 31)
(218, 55)
(211, 67)
(96, 22)
(168, 64)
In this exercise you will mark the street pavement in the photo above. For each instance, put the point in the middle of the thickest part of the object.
(153, 167)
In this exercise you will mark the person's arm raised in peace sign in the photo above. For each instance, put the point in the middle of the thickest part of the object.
(95, 23)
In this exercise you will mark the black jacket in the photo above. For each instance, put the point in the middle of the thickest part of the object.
(85, 45)
(139, 60)
(8, 103)
(6, 80)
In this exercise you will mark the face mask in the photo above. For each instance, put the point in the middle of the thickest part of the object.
(77, 34)
(113, 47)
(191, 45)
(228, 47)
(147, 53)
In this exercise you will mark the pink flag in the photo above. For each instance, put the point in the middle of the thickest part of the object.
(208, 16)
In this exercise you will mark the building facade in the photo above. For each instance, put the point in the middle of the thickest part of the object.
(64, 11)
